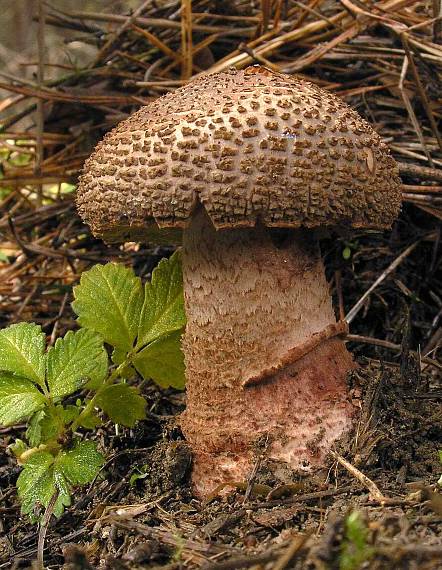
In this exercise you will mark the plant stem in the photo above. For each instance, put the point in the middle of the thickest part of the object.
(43, 530)
(90, 405)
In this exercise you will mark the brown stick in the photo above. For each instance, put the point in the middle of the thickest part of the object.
(368, 483)
(159, 23)
(421, 172)
(40, 103)
(111, 41)
(186, 39)
(358, 306)
(390, 346)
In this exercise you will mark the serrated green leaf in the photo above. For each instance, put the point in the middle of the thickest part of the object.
(43, 475)
(163, 361)
(19, 398)
(109, 301)
(35, 483)
(77, 358)
(22, 351)
(122, 403)
(163, 308)
(81, 464)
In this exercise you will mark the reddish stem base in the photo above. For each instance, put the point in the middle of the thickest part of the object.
(252, 310)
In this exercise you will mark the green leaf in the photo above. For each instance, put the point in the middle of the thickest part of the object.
(18, 448)
(355, 548)
(136, 476)
(118, 357)
(163, 308)
(43, 475)
(33, 433)
(90, 421)
(22, 351)
(64, 491)
(81, 464)
(75, 359)
(32, 484)
(51, 424)
(35, 484)
(163, 361)
(48, 424)
(19, 398)
(109, 301)
(69, 413)
(346, 253)
(122, 403)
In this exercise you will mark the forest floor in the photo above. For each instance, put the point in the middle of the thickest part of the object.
(378, 504)
(381, 509)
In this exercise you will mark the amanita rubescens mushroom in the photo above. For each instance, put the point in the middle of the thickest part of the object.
(228, 159)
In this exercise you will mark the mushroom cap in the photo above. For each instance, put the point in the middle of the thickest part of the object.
(250, 146)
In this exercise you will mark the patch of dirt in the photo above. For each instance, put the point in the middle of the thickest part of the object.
(143, 514)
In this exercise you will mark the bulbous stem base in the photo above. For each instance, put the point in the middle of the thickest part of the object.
(262, 353)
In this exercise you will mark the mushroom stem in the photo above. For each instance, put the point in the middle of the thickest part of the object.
(262, 351)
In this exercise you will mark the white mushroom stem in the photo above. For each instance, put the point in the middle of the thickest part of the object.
(262, 352)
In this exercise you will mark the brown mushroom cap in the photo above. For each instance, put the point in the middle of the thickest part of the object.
(248, 145)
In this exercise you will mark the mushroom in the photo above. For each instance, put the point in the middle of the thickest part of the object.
(246, 166)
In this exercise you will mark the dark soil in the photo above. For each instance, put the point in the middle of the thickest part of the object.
(152, 520)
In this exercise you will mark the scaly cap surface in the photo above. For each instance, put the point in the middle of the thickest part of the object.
(249, 145)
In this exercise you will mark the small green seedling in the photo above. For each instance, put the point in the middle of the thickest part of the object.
(355, 549)
(137, 475)
(350, 247)
(69, 387)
